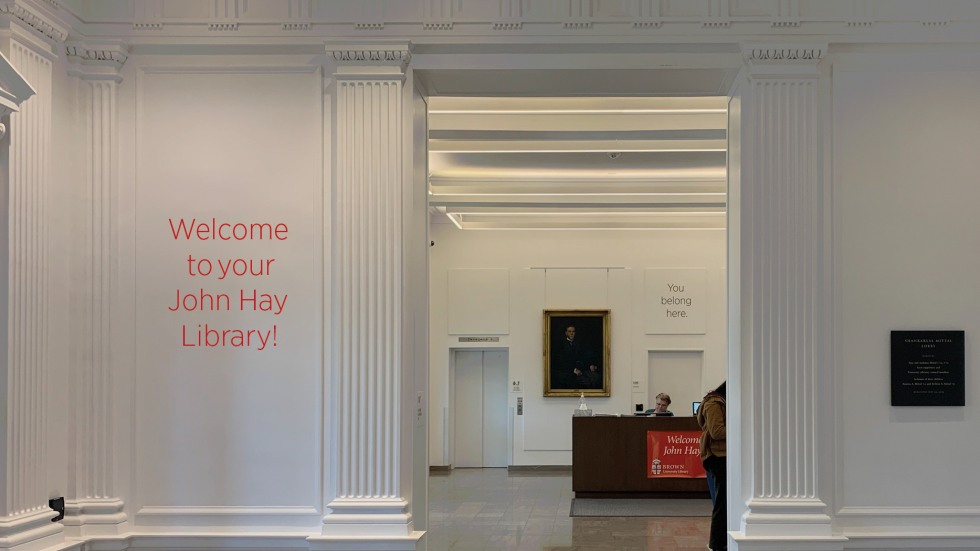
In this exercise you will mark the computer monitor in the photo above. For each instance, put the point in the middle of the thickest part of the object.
(694, 407)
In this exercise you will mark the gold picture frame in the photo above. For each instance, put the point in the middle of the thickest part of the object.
(576, 352)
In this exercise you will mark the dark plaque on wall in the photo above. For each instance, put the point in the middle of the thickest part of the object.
(928, 368)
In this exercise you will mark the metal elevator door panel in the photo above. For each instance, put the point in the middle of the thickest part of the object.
(469, 409)
(495, 408)
(480, 420)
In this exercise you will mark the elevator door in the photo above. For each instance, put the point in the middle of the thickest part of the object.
(480, 397)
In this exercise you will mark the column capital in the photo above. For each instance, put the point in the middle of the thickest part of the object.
(30, 16)
(370, 60)
(96, 61)
(781, 59)
(14, 89)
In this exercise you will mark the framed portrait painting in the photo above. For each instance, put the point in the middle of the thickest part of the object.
(576, 352)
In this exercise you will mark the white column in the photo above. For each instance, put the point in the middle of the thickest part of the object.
(25, 518)
(91, 504)
(370, 356)
(784, 418)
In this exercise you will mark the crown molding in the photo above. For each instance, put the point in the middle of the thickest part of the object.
(851, 21)
(34, 17)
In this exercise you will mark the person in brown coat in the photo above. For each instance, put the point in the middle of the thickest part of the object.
(711, 418)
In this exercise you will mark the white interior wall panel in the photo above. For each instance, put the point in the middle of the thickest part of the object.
(227, 425)
(576, 288)
(904, 165)
(478, 302)
(677, 373)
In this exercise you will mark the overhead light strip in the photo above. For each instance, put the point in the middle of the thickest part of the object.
(583, 194)
(715, 111)
(591, 228)
(604, 150)
(610, 214)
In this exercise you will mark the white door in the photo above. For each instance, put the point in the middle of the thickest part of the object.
(480, 398)
(678, 373)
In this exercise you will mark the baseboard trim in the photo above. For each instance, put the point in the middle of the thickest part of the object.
(444, 470)
(317, 542)
(539, 469)
(914, 542)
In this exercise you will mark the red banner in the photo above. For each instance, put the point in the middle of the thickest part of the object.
(674, 454)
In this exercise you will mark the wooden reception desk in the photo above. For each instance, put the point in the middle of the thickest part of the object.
(609, 456)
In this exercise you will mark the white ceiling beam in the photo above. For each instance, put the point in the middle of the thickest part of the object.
(586, 185)
(568, 122)
(606, 203)
(548, 146)
(588, 222)
(508, 105)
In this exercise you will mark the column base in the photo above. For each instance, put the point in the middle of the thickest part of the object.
(786, 517)
(30, 531)
(94, 517)
(368, 517)
(783, 523)
(367, 523)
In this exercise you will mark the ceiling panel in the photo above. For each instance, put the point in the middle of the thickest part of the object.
(548, 163)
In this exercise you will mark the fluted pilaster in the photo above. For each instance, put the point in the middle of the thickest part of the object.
(783, 298)
(24, 513)
(368, 293)
(92, 506)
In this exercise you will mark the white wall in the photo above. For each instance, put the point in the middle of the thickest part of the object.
(234, 429)
(905, 196)
(542, 436)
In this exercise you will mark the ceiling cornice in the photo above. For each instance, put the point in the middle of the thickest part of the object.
(37, 17)
(469, 21)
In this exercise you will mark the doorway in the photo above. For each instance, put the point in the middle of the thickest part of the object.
(507, 150)
(480, 436)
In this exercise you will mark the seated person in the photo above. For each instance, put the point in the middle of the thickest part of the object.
(663, 401)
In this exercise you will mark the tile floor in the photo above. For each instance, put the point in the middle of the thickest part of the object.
(484, 509)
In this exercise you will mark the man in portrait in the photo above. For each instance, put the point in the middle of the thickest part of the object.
(575, 364)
